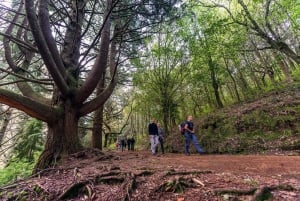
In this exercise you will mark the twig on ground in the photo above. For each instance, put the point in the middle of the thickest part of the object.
(198, 182)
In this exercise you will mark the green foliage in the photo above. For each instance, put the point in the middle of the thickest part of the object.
(162, 78)
(222, 48)
(266, 123)
(25, 154)
(31, 141)
(296, 75)
(15, 170)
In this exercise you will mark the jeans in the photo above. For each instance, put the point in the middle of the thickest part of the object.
(130, 144)
(191, 138)
(123, 145)
(154, 142)
(161, 142)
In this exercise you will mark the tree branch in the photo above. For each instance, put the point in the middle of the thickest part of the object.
(102, 97)
(98, 101)
(268, 25)
(20, 42)
(101, 62)
(33, 108)
(44, 50)
(47, 32)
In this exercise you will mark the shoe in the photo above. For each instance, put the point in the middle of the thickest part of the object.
(187, 154)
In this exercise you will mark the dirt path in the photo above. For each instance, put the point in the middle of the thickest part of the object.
(139, 176)
(239, 164)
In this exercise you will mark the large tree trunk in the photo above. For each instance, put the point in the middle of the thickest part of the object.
(62, 138)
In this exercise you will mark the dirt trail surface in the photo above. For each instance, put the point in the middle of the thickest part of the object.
(113, 176)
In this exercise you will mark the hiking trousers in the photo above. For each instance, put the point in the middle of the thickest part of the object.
(161, 142)
(189, 137)
(154, 142)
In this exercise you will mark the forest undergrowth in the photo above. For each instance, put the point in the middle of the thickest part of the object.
(268, 124)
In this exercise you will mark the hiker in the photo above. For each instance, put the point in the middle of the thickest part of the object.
(122, 142)
(117, 144)
(153, 135)
(130, 143)
(161, 138)
(189, 136)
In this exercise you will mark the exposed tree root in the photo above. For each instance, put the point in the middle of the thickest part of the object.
(111, 180)
(176, 186)
(129, 186)
(39, 189)
(104, 157)
(237, 192)
(264, 193)
(86, 152)
(145, 173)
(259, 194)
(173, 172)
(107, 174)
(72, 190)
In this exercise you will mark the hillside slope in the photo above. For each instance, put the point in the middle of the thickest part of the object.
(270, 123)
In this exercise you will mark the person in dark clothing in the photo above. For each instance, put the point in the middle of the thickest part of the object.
(130, 143)
(190, 136)
(161, 138)
(122, 142)
(153, 135)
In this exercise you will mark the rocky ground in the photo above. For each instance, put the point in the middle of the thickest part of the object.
(115, 175)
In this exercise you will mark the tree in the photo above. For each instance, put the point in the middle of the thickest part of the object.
(165, 69)
(270, 20)
(5, 115)
(57, 52)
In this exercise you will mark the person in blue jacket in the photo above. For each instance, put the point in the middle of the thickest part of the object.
(189, 135)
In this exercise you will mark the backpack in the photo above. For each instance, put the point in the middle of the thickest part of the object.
(181, 127)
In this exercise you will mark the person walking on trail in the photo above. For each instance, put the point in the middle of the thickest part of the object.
(130, 143)
(161, 138)
(122, 142)
(153, 135)
(190, 136)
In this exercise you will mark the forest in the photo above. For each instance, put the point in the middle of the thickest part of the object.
(77, 76)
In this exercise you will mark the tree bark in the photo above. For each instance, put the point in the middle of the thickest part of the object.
(98, 119)
(62, 138)
(7, 114)
(214, 81)
(233, 81)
